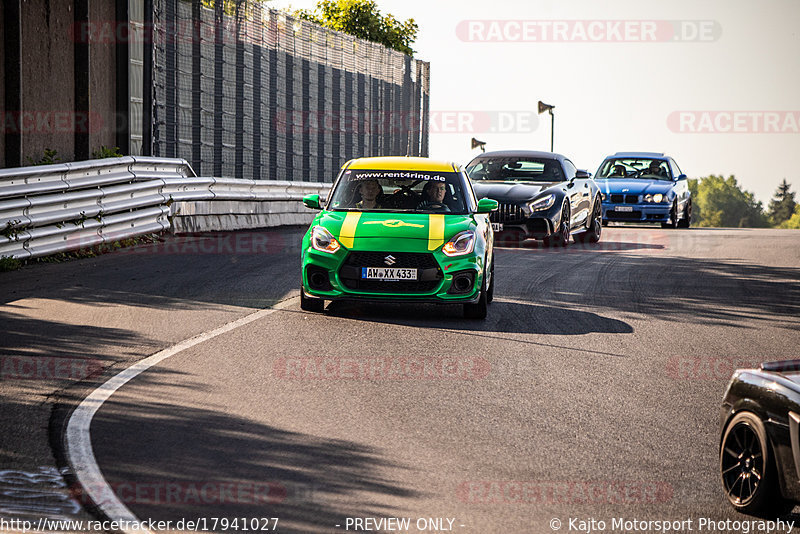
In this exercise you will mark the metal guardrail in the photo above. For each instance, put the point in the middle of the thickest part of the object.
(64, 207)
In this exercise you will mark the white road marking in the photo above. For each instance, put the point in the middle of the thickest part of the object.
(79, 442)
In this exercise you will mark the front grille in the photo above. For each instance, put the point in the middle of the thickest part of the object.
(507, 213)
(624, 214)
(429, 275)
(624, 199)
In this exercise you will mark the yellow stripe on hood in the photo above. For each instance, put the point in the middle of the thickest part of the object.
(348, 232)
(435, 231)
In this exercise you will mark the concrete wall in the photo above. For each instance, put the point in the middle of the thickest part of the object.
(47, 74)
(2, 90)
(48, 119)
(103, 80)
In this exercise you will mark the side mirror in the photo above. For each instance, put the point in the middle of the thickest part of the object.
(681, 177)
(487, 205)
(582, 174)
(312, 201)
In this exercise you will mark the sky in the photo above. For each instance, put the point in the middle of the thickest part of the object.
(713, 83)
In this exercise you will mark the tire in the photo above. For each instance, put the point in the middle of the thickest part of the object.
(673, 217)
(560, 238)
(686, 222)
(311, 304)
(747, 468)
(480, 308)
(594, 227)
(605, 223)
(490, 291)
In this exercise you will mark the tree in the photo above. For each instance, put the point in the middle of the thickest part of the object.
(793, 221)
(363, 19)
(782, 207)
(720, 202)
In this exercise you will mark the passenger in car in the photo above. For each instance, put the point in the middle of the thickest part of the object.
(371, 195)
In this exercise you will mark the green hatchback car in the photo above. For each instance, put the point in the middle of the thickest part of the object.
(400, 229)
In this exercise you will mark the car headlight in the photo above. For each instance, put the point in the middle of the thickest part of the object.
(656, 199)
(322, 240)
(542, 203)
(462, 243)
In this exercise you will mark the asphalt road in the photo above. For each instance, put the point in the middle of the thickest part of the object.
(592, 390)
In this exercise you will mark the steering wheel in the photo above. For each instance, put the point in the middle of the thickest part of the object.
(402, 196)
(439, 206)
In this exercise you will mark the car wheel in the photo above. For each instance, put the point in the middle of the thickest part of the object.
(490, 291)
(686, 222)
(560, 238)
(479, 309)
(593, 229)
(749, 476)
(311, 304)
(673, 217)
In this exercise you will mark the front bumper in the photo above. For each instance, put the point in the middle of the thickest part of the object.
(516, 225)
(642, 212)
(438, 290)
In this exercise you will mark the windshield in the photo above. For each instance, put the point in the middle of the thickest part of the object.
(649, 169)
(520, 169)
(393, 191)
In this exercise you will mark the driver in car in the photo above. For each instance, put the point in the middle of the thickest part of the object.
(433, 195)
(655, 168)
(371, 193)
(619, 171)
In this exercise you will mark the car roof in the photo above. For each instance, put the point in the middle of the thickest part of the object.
(402, 163)
(652, 155)
(521, 153)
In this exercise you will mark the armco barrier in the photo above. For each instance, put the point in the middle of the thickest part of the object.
(58, 208)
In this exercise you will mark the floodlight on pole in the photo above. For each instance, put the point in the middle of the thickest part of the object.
(475, 143)
(547, 107)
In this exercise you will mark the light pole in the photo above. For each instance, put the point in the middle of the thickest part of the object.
(547, 107)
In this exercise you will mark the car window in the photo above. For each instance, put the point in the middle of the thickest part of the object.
(570, 169)
(392, 191)
(515, 169)
(627, 168)
(676, 171)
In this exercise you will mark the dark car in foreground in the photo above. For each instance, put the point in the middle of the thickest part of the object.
(759, 448)
(644, 187)
(542, 195)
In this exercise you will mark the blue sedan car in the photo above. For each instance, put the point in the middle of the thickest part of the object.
(644, 187)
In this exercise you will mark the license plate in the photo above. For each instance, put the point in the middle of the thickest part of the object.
(623, 208)
(387, 273)
(497, 227)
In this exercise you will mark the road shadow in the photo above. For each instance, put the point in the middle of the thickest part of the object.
(503, 317)
(30, 337)
(168, 461)
(577, 247)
